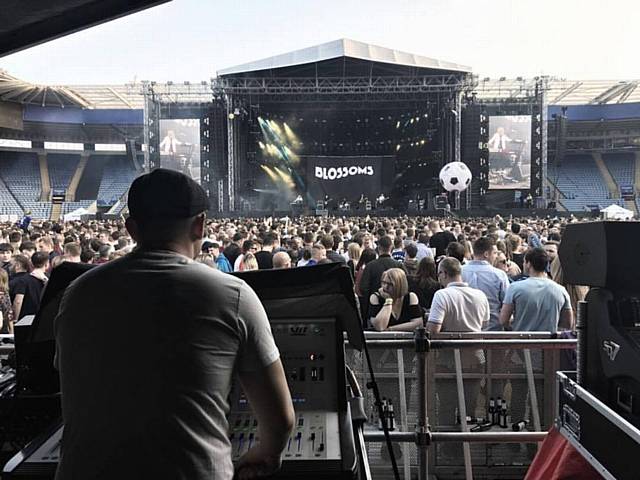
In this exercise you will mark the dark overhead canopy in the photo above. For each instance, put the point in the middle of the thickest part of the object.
(25, 23)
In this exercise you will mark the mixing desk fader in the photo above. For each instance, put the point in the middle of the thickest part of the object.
(316, 436)
(321, 443)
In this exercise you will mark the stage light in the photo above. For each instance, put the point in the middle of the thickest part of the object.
(231, 116)
(285, 177)
(262, 146)
(292, 137)
(411, 121)
(270, 173)
(398, 124)
(422, 142)
(236, 111)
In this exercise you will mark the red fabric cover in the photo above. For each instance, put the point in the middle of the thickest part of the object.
(557, 459)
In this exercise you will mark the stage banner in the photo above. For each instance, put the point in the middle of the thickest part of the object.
(345, 178)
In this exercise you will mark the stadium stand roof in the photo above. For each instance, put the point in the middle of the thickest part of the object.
(562, 91)
(25, 23)
(345, 48)
(15, 90)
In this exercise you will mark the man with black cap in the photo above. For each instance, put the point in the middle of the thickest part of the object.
(145, 375)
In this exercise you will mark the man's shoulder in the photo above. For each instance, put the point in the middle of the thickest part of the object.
(178, 267)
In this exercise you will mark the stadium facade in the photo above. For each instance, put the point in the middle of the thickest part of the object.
(255, 135)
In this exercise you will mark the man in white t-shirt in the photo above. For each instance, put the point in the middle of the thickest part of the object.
(457, 308)
(147, 346)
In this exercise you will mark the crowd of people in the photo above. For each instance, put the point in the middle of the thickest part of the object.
(406, 270)
(191, 327)
(399, 273)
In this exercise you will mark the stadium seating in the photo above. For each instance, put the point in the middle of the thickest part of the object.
(119, 172)
(61, 169)
(580, 180)
(21, 174)
(622, 168)
(71, 206)
(8, 203)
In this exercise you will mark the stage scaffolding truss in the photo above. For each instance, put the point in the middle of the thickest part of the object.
(233, 94)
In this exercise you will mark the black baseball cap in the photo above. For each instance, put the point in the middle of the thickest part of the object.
(166, 193)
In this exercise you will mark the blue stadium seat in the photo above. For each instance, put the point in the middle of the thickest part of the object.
(579, 179)
(118, 174)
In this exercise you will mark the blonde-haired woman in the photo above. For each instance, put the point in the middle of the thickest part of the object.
(249, 262)
(393, 307)
(354, 251)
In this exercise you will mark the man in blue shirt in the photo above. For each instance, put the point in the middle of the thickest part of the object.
(481, 274)
(26, 221)
(537, 304)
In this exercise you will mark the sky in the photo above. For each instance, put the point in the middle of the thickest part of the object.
(192, 39)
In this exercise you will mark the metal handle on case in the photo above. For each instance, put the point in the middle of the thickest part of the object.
(569, 388)
(571, 421)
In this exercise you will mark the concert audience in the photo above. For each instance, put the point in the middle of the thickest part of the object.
(331, 244)
(6, 322)
(481, 274)
(457, 251)
(248, 246)
(265, 256)
(26, 289)
(354, 250)
(457, 308)
(393, 306)
(440, 239)
(249, 262)
(281, 260)
(425, 282)
(410, 260)
(423, 247)
(372, 275)
(398, 252)
(537, 303)
(6, 252)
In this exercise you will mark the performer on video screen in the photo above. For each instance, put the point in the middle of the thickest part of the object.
(498, 143)
(169, 144)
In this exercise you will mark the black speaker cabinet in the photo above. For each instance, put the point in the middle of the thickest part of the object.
(602, 254)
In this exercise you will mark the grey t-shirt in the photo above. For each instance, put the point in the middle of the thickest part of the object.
(146, 347)
(537, 304)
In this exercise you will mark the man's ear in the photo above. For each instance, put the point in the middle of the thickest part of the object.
(198, 227)
(133, 229)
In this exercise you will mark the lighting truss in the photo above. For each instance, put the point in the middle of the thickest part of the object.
(340, 85)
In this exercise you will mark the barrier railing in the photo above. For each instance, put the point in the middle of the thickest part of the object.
(455, 378)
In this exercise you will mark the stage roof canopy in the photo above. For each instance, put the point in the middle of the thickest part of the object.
(25, 23)
(345, 49)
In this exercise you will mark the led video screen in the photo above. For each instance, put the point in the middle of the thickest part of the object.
(180, 146)
(510, 152)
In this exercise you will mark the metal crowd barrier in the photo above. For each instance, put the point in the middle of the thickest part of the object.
(454, 377)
